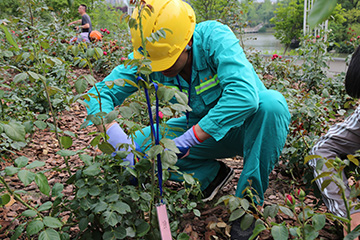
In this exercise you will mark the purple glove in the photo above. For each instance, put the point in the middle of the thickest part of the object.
(186, 141)
(118, 136)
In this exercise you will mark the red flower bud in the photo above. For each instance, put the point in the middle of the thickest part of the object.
(101, 29)
(105, 53)
(107, 31)
(289, 200)
(300, 194)
(317, 36)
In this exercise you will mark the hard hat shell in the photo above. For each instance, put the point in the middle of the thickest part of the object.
(176, 15)
(95, 35)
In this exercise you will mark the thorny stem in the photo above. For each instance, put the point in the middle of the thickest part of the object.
(31, 15)
(17, 197)
(54, 118)
(343, 196)
(143, 43)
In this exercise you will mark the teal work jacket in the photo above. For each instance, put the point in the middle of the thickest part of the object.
(224, 84)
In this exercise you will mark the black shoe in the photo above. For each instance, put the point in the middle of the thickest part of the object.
(238, 234)
(224, 175)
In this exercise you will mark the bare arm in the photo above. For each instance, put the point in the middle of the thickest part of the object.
(75, 22)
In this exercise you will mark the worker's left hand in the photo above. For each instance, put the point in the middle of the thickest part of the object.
(77, 28)
(185, 142)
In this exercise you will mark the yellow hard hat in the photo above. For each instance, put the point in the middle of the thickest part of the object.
(175, 15)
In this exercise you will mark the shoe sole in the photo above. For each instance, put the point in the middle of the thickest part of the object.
(228, 178)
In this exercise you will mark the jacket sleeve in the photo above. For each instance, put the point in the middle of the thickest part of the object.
(237, 78)
(110, 98)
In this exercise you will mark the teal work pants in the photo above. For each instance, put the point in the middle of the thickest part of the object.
(259, 140)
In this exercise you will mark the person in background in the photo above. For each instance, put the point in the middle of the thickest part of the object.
(341, 140)
(85, 26)
(232, 111)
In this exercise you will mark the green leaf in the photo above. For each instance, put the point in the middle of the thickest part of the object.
(45, 206)
(81, 85)
(183, 236)
(100, 206)
(353, 159)
(197, 212)
(18, 231)
(246, 221)
(169, 144)
(321, 11)
(279, 232)
(181, 98)
(20, 77)
(286, 211)
(66, 141)
(310, 157)
(45, 44)
(119, 82)
(4, 199)
(42, 182)
(145, 71)
(15, 131)
(11, 170)
(189, 178)
(121, 207)
(257, 230)
(33, 76)
(146, 196)
(142, 229)
(106, 147)
(111, 116)
(169, 157)
(40, 124)
(49, 234)
(9, 37)
(86, 159)
(238, 213)
(57, 189)
(154, 151)
(26, 177)
(94, 190)
(35, 164)
(353, 234)
(92, 170)
(34, 227)
(90, 79)
(111, 218)
(21, 161)
(52, 222)
(271, 211)
(131, 83)
(29, 213)
(99, 52)
(66, 153)
(318, 221)
(121, 233)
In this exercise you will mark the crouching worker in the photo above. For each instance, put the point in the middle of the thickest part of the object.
(341, 140)
(232, 111)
